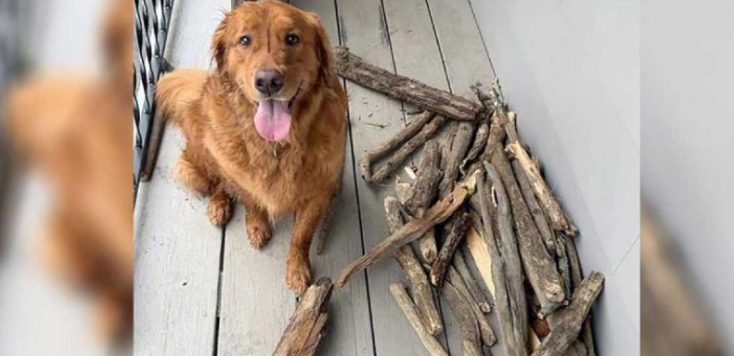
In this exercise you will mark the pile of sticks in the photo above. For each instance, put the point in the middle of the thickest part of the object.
(476, 223)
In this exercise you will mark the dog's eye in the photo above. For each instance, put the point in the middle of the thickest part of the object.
(291, 39)
(245, 40)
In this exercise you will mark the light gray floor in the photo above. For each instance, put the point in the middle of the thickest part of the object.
(199, 288)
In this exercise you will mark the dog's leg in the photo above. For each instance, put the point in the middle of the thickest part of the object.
(257, 221)
(193, 176)
(298, 268)
(220, 207)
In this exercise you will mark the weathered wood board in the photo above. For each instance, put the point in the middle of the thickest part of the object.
(177, 250)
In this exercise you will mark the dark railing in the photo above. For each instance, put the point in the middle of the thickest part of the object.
(152, 20)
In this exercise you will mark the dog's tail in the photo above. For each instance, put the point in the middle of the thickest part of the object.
(177, 90)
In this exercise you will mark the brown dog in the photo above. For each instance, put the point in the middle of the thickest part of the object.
(267, 126)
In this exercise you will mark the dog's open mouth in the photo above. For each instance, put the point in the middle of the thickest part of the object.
(273, 118)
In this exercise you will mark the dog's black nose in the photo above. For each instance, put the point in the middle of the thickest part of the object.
(268, 81)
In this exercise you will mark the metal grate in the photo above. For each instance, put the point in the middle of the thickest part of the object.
(152, 19)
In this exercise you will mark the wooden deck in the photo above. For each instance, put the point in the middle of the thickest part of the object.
(202, 290)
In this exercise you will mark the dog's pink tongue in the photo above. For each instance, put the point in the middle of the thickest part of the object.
(273, 120)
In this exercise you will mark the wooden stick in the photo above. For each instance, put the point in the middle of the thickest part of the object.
(459, 223)
(539, 266)
(559, 219)
(422, 195)
(411, 313)
(471, 344)
(458, 148)
(306, 326)
(413, 270)
(353, 68)
(502, 302)
(392, 144)
(395, 160)
(414, 229)
(480, 141)
(471, 283)
(485, 330)
(511, 256)
(576, 274)
(564, 265)
(567, 322)
(540, 222)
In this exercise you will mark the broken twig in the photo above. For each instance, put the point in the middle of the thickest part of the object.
(413, 270)
(306, 326)
(432, 345)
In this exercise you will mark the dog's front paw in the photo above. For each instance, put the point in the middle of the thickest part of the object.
(298, 272)
(259, 235)
(219, 209)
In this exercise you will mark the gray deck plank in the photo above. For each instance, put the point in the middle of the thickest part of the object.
(365, 33)
(255, 303)
(418, 56)
(464, 54)
(177, 250)
(350, 331)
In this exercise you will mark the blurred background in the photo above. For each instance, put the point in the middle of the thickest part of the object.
(687, 131)
(65, 177)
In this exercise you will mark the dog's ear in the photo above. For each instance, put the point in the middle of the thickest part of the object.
(219, 45)
(327, 71)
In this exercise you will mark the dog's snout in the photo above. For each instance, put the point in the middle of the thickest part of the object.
(268, 81)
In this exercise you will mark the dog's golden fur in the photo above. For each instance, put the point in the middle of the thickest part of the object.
(224, 155)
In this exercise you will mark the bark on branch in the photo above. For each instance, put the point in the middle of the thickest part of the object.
(432, 345)
(413, 270)
(567, 323)
(422, 195)
(306, 326)
(402, 153)
(354, 69)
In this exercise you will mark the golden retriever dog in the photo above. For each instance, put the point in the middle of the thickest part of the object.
(267, 126)
(75, 130)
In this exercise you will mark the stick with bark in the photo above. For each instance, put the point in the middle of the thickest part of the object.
(459, 223)
(540, 222)
(485, 330)
(511, 256)
(306, 326)
(422, 195)
(539, 267)
(502, 302)
(414, 229)
(458, 148)
(413, 270)
(396, 159)
(576, 274)
(354, 69)
(559, 219)
(480, 140)
(471, 344)
(471, 283)
(432, 345)
(567, 323)
(392, 144)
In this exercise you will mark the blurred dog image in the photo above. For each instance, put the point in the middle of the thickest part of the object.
(75, 131)
(267, 126)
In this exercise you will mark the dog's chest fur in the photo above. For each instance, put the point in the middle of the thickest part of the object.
(277, 176)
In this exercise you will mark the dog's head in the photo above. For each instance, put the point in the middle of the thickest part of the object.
(274, 54)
